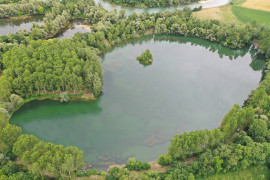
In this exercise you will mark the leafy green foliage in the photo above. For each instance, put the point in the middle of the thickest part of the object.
(72, 65)
(258, 130)
(117, 173)
(133, 164)
(225, 158)
(24, 7)
(51, 66)
(9, 135)
(40, 156)
(264, 43)
(146, 57)
(64, 97)
(151, 3)
(189, 144)
(165, 159)
(237, 119)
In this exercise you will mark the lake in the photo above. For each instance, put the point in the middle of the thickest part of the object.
(191, 85)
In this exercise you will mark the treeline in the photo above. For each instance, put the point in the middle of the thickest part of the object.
(40, 158)
(116, 27)
(50, 66)
(151, 3)
(34, 7)
(180, 23)
(227, 157)
(239, 155)
(30, 7)
(8, 1)
(264, 42)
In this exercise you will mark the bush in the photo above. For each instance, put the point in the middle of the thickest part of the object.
(133, 164)
(64, 97)
(165, 160)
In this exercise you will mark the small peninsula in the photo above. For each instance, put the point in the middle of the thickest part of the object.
(146, 57)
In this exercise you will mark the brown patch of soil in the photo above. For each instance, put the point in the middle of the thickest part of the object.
(149, 32)
(189, 160)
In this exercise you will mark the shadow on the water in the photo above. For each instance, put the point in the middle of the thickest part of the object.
(78, 107)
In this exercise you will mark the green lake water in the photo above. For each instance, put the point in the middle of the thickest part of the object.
(191, 85)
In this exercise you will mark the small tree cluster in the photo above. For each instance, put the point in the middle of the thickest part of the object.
(146, 57)
(133, 164)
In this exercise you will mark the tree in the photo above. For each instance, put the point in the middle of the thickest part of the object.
(24, 143)
(5, 87)
(258, 130)
(146, 57)
(64, 97)
(9, 135)
(97, 85)
(15, 100)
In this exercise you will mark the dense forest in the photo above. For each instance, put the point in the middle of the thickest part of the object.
(8, 1)
(152, 3)
(31, 65)
(50, 66)
(30, 7)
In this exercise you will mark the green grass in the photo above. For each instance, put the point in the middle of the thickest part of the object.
(251, 173)
(250, 15)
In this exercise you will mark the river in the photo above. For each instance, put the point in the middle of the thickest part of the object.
(12, 26)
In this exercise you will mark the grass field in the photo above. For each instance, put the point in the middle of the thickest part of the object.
(247, 15)
(263, 5)
(237, 13)
(222, 14)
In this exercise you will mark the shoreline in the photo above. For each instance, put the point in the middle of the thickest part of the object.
(54, 97)
(26, 16)
(145, 7)
(51, 36)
